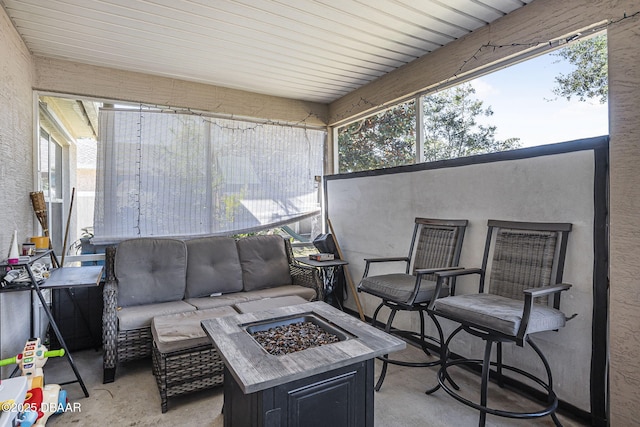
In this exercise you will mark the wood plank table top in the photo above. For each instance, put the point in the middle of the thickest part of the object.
(70, 277)
(254, 369)
(321, 264)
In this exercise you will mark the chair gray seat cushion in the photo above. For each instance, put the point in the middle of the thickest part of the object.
(399, 288)
(499, 313)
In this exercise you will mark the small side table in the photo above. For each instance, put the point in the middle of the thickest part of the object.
(328, 270)
(59, 278)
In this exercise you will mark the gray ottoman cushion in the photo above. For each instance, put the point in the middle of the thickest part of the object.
(213, 267)
(264, 262)
(150, 271)
(500, 313)
(180, 331)
(399, 287)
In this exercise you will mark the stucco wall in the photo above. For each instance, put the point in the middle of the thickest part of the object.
(373, 217)
(107, 83)
(624, 125)
(16, 176)
(541, 20)
(544, 20)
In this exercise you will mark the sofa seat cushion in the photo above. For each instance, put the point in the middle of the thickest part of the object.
(268, 303)
(213, 266)
(264, 262)
(217, 301)
(282, 291)
(179, 331)
(140, 316)
(150, 271)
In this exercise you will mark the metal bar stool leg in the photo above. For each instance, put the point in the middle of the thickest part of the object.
(484, 387)
(499, 377)
(423, 342)
(551, 399)
(444, 352)
(385, 363)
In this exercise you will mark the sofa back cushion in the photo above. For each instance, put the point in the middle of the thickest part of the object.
(150, 271)
(213, 267)
(264, 262)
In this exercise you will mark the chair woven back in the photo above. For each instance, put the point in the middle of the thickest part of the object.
(437, 246)
(522, 259)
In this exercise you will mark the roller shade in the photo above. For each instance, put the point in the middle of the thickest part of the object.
(182, 175)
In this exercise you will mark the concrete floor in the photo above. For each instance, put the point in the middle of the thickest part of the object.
(133, 399)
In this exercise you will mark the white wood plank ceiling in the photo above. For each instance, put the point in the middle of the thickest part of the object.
(314, 50)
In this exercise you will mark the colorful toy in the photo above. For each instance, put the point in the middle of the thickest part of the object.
(43, 400)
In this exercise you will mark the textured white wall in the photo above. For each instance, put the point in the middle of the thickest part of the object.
(373, 217)
(624, 125)
(16, 177)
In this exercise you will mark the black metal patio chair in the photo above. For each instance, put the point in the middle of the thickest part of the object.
(437, 245)
(523, 265)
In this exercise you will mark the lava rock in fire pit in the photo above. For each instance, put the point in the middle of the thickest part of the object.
(293, 337)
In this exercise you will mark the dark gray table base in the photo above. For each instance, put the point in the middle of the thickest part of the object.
(338, 398)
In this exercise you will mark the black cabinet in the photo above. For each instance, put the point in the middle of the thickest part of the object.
(339, 398)
(78, 313)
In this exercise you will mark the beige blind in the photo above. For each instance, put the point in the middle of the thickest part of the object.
(182, 175)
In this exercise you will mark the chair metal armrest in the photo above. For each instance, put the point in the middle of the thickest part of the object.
(529, 295)
(444, 274)
(387, 259)
(546, 290)
(368, 262)
(459, 271)
(422, 271)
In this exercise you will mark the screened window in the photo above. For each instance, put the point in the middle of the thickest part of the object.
(385, 140)
(168, 174)
(50, 172)
(558, 96)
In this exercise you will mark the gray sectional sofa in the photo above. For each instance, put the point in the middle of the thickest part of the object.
(148, 277)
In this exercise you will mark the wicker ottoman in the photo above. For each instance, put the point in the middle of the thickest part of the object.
(184, 359)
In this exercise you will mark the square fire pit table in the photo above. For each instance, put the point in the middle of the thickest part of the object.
(326, 385)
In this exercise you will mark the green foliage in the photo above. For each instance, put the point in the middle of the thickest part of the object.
(385, 140)
(452, 129)
(589, 79)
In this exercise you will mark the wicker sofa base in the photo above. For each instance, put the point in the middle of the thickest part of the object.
(186, 371)
(134, 344)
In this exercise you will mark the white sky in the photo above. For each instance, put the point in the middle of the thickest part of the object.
(525, 107)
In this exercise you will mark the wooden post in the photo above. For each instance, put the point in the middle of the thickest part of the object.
(66, 231)
(346, 272)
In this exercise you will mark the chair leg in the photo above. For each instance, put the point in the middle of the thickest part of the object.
(484, 387)
(109, 375)
(423, 342)
(385, 364)
(499, 376)
(444, 354)
(551, 399)
(375, 314)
